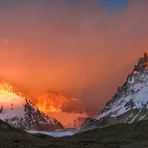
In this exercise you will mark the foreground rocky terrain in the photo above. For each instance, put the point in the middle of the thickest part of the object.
(118, 136)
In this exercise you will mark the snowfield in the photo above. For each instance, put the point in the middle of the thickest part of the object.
(56, 134)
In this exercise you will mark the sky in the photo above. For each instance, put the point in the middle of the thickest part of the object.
(84, 48)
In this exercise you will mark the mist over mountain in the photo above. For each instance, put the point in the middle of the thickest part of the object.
(20, 112)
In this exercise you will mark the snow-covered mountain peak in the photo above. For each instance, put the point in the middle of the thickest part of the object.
(19, 112)
(133, 93)
(130, 102)
(8, 95)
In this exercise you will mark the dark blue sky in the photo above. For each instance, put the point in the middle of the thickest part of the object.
(113, 5)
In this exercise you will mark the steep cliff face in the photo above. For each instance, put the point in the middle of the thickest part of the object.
(130, 103)
(19, 112)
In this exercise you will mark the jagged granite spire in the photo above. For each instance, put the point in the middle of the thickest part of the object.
(142, 63)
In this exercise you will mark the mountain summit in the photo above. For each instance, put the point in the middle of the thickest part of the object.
(130, 102)
(19, 112)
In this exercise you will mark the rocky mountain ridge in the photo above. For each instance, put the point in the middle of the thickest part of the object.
(20, 112)
(130, 102)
